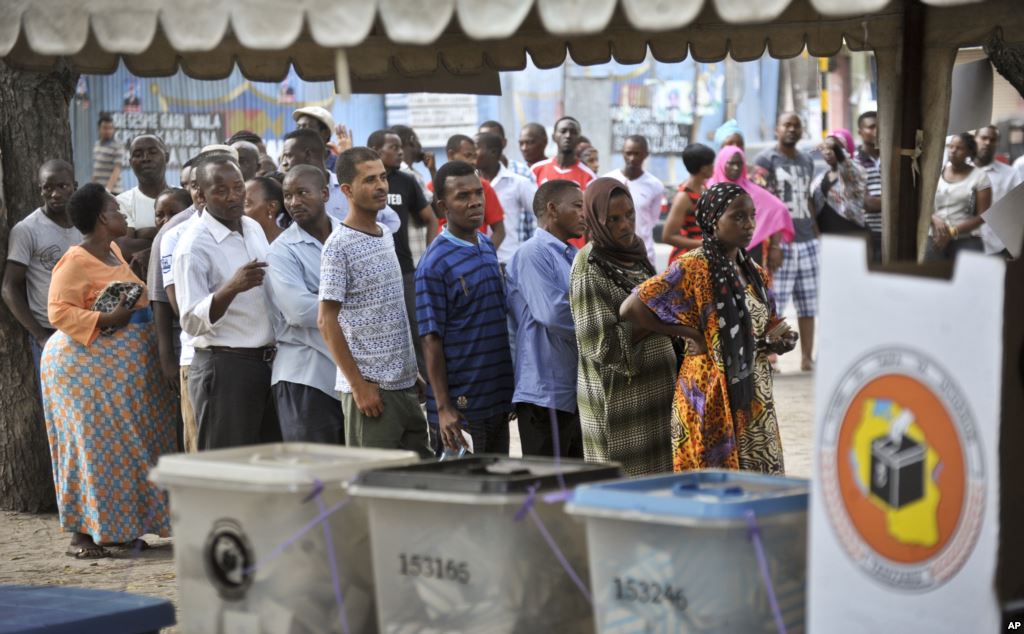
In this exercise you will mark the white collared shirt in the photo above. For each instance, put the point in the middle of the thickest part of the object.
(206, 257)
(516, 195)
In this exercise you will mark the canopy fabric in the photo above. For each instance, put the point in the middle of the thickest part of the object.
(442, 45)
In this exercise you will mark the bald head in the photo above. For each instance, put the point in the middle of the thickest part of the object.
(248, 158)
(533, 138)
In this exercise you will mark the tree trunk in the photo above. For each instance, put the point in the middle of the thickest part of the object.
(1008, 60)
(34, 127)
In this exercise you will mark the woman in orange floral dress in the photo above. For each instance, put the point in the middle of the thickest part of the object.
(717, 296)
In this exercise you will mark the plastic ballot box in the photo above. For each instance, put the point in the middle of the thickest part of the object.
(267, 540)
(454, 550)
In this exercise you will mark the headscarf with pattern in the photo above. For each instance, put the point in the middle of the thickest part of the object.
(735, 330)
(596, 203)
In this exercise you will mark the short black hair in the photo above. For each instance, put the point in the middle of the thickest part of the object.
(870, 114)
(450, 169)
(573, 119)
(271, 188)
(455, 142)
(301, 170)
(537, 128)
(638, 138)
(350, 159)
(404, 132)
(178, 193)
(491, 123)
(490, 141)
(377, 138)
(549, 191)
(697, 156)
(307, 139)
(104, 118)
(970, 142)
(57, 166)
(205, 163)
(159, 141)
(86, 205)
(244, 135)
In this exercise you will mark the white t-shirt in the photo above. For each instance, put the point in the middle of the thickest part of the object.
(39, 243)
(1003, 178)
(139, 208)
(647, 192)
(954, 201)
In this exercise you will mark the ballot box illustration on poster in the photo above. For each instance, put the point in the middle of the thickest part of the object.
(913, 504)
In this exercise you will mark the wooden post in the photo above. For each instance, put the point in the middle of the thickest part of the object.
(908, 102)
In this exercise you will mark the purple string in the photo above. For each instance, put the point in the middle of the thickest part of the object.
(560, 555)
(136, 550)
(335, 580)
(527, 509)
(556, 446)
(310, 525)
(754, 533)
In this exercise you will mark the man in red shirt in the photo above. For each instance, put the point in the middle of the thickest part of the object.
(565, 165)
(462, 148)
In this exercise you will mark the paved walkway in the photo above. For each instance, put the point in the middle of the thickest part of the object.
(33, 551)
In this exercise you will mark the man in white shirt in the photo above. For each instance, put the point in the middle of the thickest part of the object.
(218, 268)
(646, 189)
(1003, 178)
(516, 167)
(147, 156)
(514, 191)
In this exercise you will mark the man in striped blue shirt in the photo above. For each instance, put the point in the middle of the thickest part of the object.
(869, 158)
(461, 311)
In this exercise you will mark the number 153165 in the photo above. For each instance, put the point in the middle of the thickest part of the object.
(433, 568)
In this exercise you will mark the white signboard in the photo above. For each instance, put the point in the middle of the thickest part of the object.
(435, 117)
(906, 497)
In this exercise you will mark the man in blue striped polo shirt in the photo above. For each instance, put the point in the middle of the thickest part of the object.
(461, 310)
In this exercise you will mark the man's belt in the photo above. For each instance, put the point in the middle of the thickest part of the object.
(259, 354)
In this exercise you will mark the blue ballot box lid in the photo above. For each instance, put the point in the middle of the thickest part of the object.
(489, 474)
(696, 495)
(68, 610)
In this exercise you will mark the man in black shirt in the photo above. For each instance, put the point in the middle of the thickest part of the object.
(406, 197)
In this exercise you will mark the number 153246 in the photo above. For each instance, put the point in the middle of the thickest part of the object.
(632, 590)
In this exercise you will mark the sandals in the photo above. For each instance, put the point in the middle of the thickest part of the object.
(88, 551)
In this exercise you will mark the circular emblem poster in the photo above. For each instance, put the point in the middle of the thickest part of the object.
(901, 469)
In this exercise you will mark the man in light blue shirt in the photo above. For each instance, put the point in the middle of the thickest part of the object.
(303, 375)
(542, 325)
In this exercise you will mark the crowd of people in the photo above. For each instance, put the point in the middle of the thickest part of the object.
(337, 296)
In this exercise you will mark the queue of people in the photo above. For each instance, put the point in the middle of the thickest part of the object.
(293, 303)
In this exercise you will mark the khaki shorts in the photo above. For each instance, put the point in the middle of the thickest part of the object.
(401, 425)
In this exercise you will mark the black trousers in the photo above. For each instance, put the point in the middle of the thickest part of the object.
(232, 398)
(308, 415)
(536, 434)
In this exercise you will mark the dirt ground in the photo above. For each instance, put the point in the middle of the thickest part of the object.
(33, 551)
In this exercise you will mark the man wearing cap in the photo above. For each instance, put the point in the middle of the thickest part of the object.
(318, 120)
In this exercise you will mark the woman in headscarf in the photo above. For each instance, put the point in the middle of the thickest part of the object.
(774, 224)
(723, 415)
(626, 373)
(839, 192)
